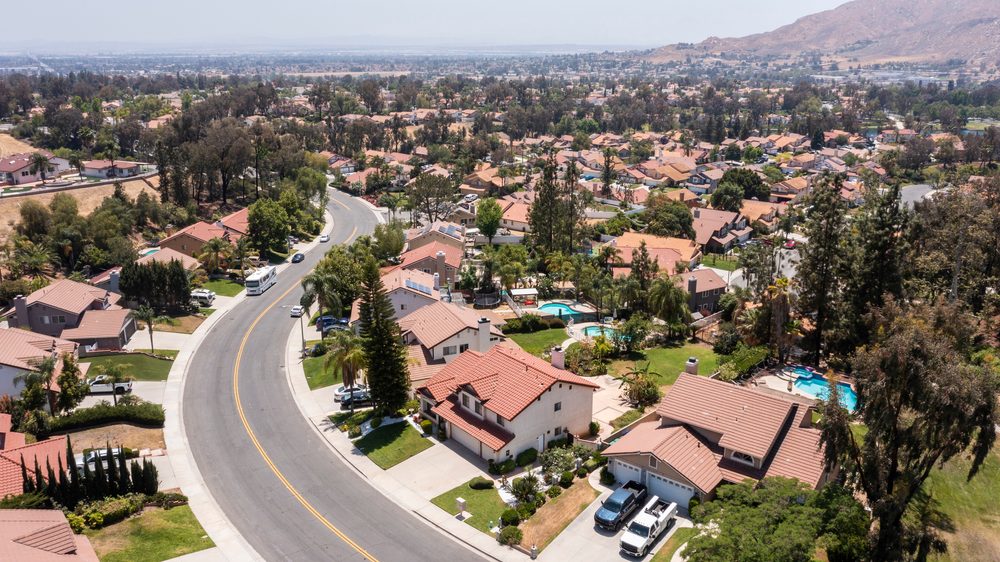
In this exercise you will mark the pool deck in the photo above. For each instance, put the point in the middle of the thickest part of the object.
(780, 382)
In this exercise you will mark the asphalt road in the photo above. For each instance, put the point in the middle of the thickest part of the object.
(244, 484)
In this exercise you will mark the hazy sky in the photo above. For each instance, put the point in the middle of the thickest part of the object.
(283, 23)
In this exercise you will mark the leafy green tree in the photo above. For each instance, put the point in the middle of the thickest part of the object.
(384, 355)
(669, 303)
(488, 217)
(388, 241)
(753, 186)
(640, 386)
(545, 209)
(36, 383)
(214, 254)
(664, 217)
(728, 197)
(72, 389)
(922, 402)
(431, 196)
(644, 270)
(268, 225)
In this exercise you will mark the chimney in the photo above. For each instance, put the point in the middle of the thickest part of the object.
(113, 281)
(483, 343)
(21, 311)
(692, 292)
(558, 357)
(437, 281)
(442, 267)
(697, 213)
(691, 366)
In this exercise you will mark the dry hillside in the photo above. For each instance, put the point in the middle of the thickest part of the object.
(870, 31)
(9, 145)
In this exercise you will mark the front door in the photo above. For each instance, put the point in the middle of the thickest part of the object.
(541, 443)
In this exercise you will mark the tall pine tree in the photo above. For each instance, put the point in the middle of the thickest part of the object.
(388, 375)
(544, 215)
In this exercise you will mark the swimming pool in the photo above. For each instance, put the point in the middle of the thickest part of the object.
(817, 386)
(149, 252)
(606, 331)
(559, 310)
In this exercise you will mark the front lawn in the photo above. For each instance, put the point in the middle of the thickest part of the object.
(675, 541)
(316, 375)
(626, 418)
(543, 340)
(484, 505)
(971, 506)
(720, 262)
(155, 535)
(668, 362)
(179, 325)
(136, 365)
(392, 444)
(553, 517)
(223, 287)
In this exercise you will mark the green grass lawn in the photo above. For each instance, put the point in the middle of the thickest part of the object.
(484, 505)
(626, 418)
(136, 365)
(971, 505)
(154, 536)
(720, 262)
(223, 287)
(675, 541)
(206, 311)
(390, 445)
(316, 375)
(346, 417)
(668, 362)
(540, 341)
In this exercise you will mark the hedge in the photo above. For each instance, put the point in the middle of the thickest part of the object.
(504, 467)
(510, 536)
(111, 510)
(526, 457)
(144, 414)
(510, 517)
(530, 323)
(480, 483)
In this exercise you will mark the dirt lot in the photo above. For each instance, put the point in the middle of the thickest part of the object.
(87, 198)
(181, 324)
(557, 514)
(118, 434)
(9, 145)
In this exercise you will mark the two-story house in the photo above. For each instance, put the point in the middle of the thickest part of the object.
(704, 288)
(710, 433)
(440, 231)
(22, 351)
(505, 401)
(77, 312)
(718, 231)
(446, 330)
(434, 258)
(408, 290)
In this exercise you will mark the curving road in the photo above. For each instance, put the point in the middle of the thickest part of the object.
(318, 508)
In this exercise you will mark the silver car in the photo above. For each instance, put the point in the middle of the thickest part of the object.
(360, 391)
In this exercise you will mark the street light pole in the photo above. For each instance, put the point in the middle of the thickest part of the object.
(302, 331)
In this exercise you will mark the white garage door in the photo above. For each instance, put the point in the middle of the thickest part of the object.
(624, 472)
(463, 437)
(669, 490)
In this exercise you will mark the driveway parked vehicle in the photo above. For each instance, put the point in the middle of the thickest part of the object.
(342, 392)
(102, 384)
(649, 524)
(356, 402)
(619, 506)
(92, 456)
(203, 297)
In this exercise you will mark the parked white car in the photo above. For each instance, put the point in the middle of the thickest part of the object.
(324, 238)
(359, 390)
(643, 531)
(203, 297)
(297, 311)
(102, 384)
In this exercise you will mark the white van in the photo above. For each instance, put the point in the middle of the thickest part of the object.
(202, 297)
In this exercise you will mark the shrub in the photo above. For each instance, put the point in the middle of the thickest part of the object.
(480, 483)
(442, 433)
(559, 443)
(506, 467)
(590, 465)
(376, 421)
(556, 460)
(410, 406)
(427, 426)
(94, 520)
(693, 503)
(525, 489)
(566, 479)
(554, 491)
(353, 431)
(76, 522)
(526, 510)
(320, 349)
(509, 517)
(167, 500)
(594, 428)
(526, 457)
(510, 536)
(606, 477)
(31, 500)
(146, 414)
(582, 472)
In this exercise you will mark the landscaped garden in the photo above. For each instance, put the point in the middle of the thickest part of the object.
(668, 362)
(155, 535)
(537, 342)
(138, 366)
(392, 444)
(485, 505)
(716, 261)
(223, 287)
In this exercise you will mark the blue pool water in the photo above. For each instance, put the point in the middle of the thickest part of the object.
(150, 252)
(591, 331)
(817, 386)
(558, 309)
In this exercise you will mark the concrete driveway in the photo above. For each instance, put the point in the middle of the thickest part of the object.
(162, 340)
(150, 391)
(582, 541)
(608, 403)
(438, 469)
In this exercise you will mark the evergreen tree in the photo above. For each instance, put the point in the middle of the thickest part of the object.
(100, 482)
(138, 485)
(112, 472)
(89, 483)
(27, 484)
(150, 479)
(644, 270)
(63, 490)
(51, 482)
(39, 479)
(124, 483)
(75, 485)
(545, 210)
(607, 172)
(388, 375)
(821, 271)
(575, 210)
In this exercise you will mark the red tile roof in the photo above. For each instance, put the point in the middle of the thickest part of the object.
(22, 349)
(489, 434)
(675, 445)
(41, 535)
(238, 221)
(452, 255)
(71, 296)
(96, 324)
(166, 255)
(51, 450)
(434, 323)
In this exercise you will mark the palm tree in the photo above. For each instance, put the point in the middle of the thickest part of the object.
(149, 317)
(76, 161)
(346, 355)
(33, 259)
(322, 283)
(214, 254)
(640, 386)
(242, 254)
(669, 303)
(34, 381)
(115, 374)
(39, 164)
(783, 327)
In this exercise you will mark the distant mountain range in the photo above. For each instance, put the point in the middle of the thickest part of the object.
(873, 31)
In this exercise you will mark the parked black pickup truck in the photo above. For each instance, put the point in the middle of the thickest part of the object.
(619, 506)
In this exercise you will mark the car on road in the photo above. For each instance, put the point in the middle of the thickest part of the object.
(297, 311)
(471, 197)
(298, 257)
(647, 526)
(619, 506)
(102, 384)
(342, 392)
(324, 238)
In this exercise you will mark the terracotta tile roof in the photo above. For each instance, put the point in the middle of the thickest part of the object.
(41, 535)
(705, 280)
(99, 324)
(490, 435)
(436, 322)
(675, 445)
(800, 454)
(203, 231)
(687, 249)
(23, 349)
(51, 450)
(71, 296)
(517, 212)
(506, 380)
(14, 162)
(452, 255)
(101, 164)
(666, 258)
(754, 210)
(748, 421)
(166, 255)
(238, 221)
(421, 365)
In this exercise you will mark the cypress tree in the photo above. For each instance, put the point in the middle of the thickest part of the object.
(100, 482)
(51, 482)
(138, 485)
(385, 357)
(27, 484)
(113, 488)
(75, 486)
(124, 485)
(151, 482)
(63, 489)
(39, 479)
(89, 483)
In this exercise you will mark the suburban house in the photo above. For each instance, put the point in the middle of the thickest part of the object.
(16, 168)
(446, 330)
(77, 312)
(505, 401)
(434, 258)
(408, 290)
(718, 231)
(710, 433)
(110, 278)
(39, 535)
(688, 252)
(792, 189)
(109, 169)
(515, 215)
(21, 352)
(704, 288)
(13, 446)
(191, 238)
(763, 214)
(463, 213)
(444, 232)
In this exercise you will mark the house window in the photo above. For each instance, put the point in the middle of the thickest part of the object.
(479, 407)
(449, 350)
(45, 319)
(59, 319)
(499, 420)
(558, 406)
(558, 430)
(465, 400)
(402, 307)
(652, 462)
(463, 348)
(742, 457)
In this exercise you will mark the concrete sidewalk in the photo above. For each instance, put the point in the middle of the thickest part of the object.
(412, 500)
